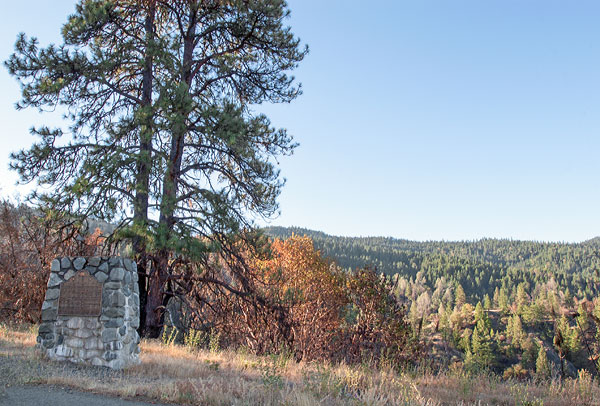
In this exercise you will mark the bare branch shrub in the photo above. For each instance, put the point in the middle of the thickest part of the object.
(295, 300)
(29, 241)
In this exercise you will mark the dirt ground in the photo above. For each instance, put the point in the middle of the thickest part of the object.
(41, 395)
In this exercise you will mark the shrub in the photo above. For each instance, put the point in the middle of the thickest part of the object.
(516, 372)
(296, 301)
(29, 241)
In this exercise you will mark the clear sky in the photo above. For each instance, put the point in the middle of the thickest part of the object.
(419, 119)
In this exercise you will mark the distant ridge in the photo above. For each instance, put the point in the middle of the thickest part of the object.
(592, 241)
(480, 266)
(286, 232)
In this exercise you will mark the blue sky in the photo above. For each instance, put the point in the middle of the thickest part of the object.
(420, 119)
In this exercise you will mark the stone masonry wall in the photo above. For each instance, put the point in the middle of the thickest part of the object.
(110, 339)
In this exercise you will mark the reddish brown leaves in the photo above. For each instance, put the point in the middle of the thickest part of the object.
(28, 244)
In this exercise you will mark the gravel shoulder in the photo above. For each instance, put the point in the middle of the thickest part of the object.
(52, 395)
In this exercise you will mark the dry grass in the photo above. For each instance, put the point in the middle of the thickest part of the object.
(176, 374)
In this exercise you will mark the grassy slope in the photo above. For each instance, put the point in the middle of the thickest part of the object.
(177, 374)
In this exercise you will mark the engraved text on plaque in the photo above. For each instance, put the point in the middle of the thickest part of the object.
(80, 296)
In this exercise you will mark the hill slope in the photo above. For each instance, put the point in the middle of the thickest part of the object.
(481, 267)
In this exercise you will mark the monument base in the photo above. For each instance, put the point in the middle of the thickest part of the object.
(91, 312)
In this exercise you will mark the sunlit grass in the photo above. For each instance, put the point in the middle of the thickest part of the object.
(178, 374)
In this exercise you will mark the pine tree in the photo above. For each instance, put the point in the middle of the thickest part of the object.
(582, 318)
(568, 297)
(521, 298)
(481, 346)
(542, 366)
(570, 340)
(459, 297)
(465, 341)
(514, 330)
(503, 299)
(482, 317)
(496, 298)
(529, 354)
(160, 117)
(487, 303)
(566, 341)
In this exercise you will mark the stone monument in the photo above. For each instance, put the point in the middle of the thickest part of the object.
(91, 312)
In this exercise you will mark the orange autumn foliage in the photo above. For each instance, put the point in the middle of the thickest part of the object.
(312, 291)
(304, 304)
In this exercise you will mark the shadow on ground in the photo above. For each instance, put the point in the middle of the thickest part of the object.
(52, 396)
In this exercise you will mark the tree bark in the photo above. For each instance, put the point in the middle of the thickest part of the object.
(140, 216)
(158, 277)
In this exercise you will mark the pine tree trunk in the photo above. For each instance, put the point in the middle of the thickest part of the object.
(159, 276)
(154, 308)
(140, 216)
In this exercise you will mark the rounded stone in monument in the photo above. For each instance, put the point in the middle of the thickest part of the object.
(49, 314)
(103, 267)
(65, 263)
(117, 274)
(79, 263)
(94, 261)
(115, 262)
(101, 276)
(112, 285)
(110, 334)
(54, 280)
(52, 294)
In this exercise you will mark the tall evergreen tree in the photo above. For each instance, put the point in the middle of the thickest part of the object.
(542, 366)
(481, 317)
(481, 347)
(460, 297)
(162, 138)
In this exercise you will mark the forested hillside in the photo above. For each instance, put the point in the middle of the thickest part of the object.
(520, 308)
(487, 266)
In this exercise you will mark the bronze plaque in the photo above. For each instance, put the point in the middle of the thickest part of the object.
(80, 296)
